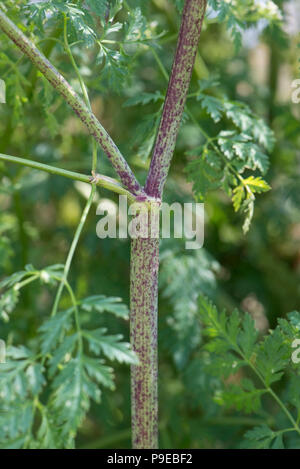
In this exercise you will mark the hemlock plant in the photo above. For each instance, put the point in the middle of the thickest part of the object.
(47, 386)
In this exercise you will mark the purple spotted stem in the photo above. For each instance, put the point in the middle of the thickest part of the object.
(145, 252)
(191, 25)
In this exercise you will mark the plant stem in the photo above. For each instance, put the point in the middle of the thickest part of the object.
(80, 108)
(145, 251)
(191, 25)
(72, 60)
(102, 181)
(88, 205)
(143, 332)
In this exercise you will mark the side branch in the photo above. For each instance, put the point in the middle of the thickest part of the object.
(63, 87)
(100, 180)
(189, 34)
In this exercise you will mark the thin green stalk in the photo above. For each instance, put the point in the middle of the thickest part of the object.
(91, 196)
(82, 85)
(72, 60)
(101, 180)
(159, 63)
(27, 281)
(284, 409)
(64, 283)
(76, 315)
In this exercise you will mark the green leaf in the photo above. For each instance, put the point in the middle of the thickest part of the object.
(244, 397)
(258, 160)
(13, 279)
(101, 373)
(263, 134)
(198, 272)
(294, 318)
(79, 19)
(262, 436)
(73, 388)
(243, 118)
(293, 391)
(35, 377)
(238, 197)
(143, 98)
(217, 366)
(278, 442)
(116, 67)
(135, 29)
(20, 376)
(71, 397)
(248, 336)
(47, 435)
(61, 353)
(257, 185)
(101, 303)
(205, 173)
(99, 7)
(110, 346)
(248, 208)
(53, 330)
(15, 424)
(272, 357)
(212, 105)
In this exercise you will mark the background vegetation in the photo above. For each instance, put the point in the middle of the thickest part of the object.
(246, 54)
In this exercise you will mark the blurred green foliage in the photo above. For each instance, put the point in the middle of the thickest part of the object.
(253, 52)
